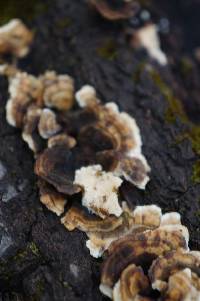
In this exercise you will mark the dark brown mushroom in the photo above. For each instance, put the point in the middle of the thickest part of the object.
(52, 199)
(139, 249)
(170, 263)
(79, 218)
(115, 10)
(57, 165)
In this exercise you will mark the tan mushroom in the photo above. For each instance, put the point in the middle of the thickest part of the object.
(15, 38)
(58, 90)
(139, 249)
(52, 199)
(62, 139)
(114, 135)
(180, 287)
(30, 130)
(48, 125)
(131, 284)
(170, 263)
(80, 219)
(24, 89)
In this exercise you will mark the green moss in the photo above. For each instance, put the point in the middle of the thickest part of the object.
(185, 66)
(23, 9)
(137, 73)
(30, 248)
(108, 50)
(193, 134)
(20, 255)
(39, 288)
(196, 172)
(175, 108)
(64, 23)
(198, 214)
(34, 249)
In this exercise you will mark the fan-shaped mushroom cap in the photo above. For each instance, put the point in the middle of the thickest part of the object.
(30, 130)
(132, 282)
(78, 218)
(24, 90)
(62, 139)
(52, 199)
(15, 38)
(57, 166)
(99, 190)
(48, 125)
(166, 265)
(139, 249)
(181, 288)
(114, 135)
(58, 90)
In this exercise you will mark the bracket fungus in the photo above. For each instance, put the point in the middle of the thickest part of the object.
(115, 10)
(132, 282)
(124, 135)
(58, 90)
(48, 125)
(130, 222)
(62, 139)
(147, 37)
(99, 190)
(52, 199)
(15, 38)
(165, 266)
(90, 151)
(30, 129)
(82, 220)
(56, 165)
(24, 89)
(140, 249)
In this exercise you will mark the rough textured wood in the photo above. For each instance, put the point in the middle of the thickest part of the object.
(40, 260)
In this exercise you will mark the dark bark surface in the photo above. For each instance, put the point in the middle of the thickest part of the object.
(39, 259)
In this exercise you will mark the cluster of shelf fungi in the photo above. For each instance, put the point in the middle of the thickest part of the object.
(86, 149)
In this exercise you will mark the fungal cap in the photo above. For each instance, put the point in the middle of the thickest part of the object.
(99, 190)
(170, 218)
(56, 166)
(79, 218)
(58, 90)
(131, 283)
(52, 199)
(149, 215)
(24, 89)
(48, 125)
(148, 38)
(86, 96)
(62, 139)
(15, 38)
